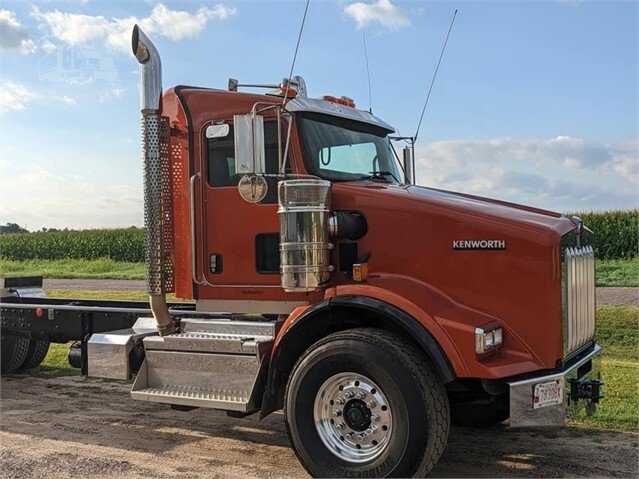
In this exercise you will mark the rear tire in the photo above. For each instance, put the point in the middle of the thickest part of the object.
(14, 352)
(405, 426)
(38, 349)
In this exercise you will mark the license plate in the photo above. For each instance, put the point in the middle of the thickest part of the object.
(548, 394)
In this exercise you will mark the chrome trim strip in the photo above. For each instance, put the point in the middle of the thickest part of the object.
(248, 306)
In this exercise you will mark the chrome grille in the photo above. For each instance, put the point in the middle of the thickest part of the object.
(578, 297)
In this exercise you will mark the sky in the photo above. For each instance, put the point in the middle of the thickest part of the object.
(535, 102)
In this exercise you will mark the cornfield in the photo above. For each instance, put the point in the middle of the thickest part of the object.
(615, 233)
(116, 244)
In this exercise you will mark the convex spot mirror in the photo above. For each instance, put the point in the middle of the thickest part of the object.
(249, 144)
(217, 131)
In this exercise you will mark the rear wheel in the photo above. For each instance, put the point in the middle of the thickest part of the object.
(366, 403)
(14, 353)
(38, 349)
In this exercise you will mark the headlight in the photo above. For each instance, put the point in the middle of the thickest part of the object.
(487, 339)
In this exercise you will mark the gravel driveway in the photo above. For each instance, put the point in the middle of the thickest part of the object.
(71, 427)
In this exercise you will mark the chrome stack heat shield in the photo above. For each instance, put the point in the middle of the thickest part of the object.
(304, 207)
(154, 146)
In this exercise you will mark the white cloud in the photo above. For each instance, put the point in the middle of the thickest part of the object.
(175, 25)
(72, 28)
(48, 46)
(561, 173)
(67, 100)
(383, 12)
(14, 96)
(13, 36)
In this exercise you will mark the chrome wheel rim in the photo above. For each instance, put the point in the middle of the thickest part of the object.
(353, 417)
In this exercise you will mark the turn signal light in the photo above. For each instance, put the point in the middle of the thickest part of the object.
(486, 340)
(360, 272)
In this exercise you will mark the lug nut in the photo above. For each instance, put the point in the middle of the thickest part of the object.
(349, 394)
(361, 437)
(337, 413)
(340, 426)
(371, 404)
(376, 417)
(373, 430)
(350, 435)
(361, 395)
(340, 401)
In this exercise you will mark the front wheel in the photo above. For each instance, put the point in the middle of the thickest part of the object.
(366, 403)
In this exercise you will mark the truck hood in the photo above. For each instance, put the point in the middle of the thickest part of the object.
(470, 206)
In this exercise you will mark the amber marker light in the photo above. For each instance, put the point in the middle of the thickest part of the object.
(360, 272)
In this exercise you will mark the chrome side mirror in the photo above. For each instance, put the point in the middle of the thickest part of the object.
(409, 165)
(249, 144)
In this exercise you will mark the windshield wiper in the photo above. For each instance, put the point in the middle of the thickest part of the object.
(380, 175)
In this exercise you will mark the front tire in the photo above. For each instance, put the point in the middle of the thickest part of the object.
(366, 403)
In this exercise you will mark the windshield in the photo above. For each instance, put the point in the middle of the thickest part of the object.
(338, 149)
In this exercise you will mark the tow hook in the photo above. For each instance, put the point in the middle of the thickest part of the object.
(587, 389)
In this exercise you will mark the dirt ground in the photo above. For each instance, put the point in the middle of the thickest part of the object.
(71, 427)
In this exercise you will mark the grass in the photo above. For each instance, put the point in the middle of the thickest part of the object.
(614, 272)
(73, 268)
(618, 272)
(56, 363)
(618, 334)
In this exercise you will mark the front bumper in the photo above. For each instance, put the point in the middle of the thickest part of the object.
(522, 411)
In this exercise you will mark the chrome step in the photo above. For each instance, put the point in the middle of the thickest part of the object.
(214, 380)
(229, 326)
(189, 396)
(210, 343)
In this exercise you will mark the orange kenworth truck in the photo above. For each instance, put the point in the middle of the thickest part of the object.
(325, 283)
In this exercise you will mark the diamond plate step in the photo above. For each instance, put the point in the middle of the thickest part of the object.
(201, 379)
(229, 327)
(230, 400)
(210, 342)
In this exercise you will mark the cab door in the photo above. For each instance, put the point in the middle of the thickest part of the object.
(241, 239)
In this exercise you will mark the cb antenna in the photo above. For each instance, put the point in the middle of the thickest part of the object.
(297, 46)
(368, 72)
(430, 89)
(283, 156)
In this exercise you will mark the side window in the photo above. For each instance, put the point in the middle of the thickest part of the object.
(221, 161)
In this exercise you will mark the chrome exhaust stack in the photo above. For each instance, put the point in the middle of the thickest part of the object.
(152, 133)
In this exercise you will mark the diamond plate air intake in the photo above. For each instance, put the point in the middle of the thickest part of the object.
(153, 129)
